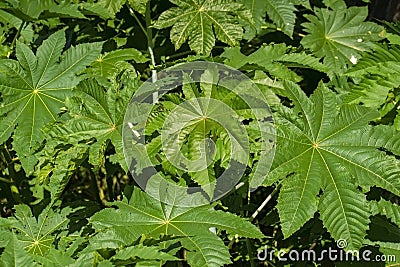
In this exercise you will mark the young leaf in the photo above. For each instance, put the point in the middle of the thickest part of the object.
(340, 35)
(334, 150)
(194, 20)
(145, 215)
(34, 88)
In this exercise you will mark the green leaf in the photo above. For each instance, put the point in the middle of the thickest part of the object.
(54, 258)
(34, 88)
(29, 10)
(37, 235)
(258, 10)
(106, 9)
(273, 59)
(379, 72)
(145, 215)
(194, 20)
(111, 63)
(143, 252)
(335, 4)
(373, 90)
(388, 209)
(334, 150)
(281, 12)
(383, 60)
(388, 249)
(138, 5)
(15, 255)
(339, 36)
(95, 113)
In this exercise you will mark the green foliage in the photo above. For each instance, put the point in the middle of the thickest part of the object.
(325, 150)
(340, 35)
(68, 70)
(201, 22)
(36, 235)
(144, 215)
(34, 88)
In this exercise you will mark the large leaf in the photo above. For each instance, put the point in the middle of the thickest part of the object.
(14, 255)
(37, 235)
(145, 215)
(340, 35)
(34, 88)
(194, 20)
(333, 150)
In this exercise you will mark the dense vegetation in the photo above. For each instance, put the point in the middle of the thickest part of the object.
(331, 79)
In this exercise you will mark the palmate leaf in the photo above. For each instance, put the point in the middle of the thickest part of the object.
(340, 35)
(373, 90)
(258, 12)
(201, 22)
(14, 255)
(145, 215)
(37, 235)
(33, 90)
(333, 150)
(95, 113)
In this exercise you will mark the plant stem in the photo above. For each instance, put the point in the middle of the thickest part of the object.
(12, 173)
(250, 251)
(150, 46)
(265, 202)
(138, 21)
(17, 34)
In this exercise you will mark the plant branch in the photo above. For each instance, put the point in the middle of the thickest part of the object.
(17, 34)
(265, 202)
(138, 21)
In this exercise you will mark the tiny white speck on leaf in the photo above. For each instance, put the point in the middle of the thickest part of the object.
(359, 40)
(353, 59)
